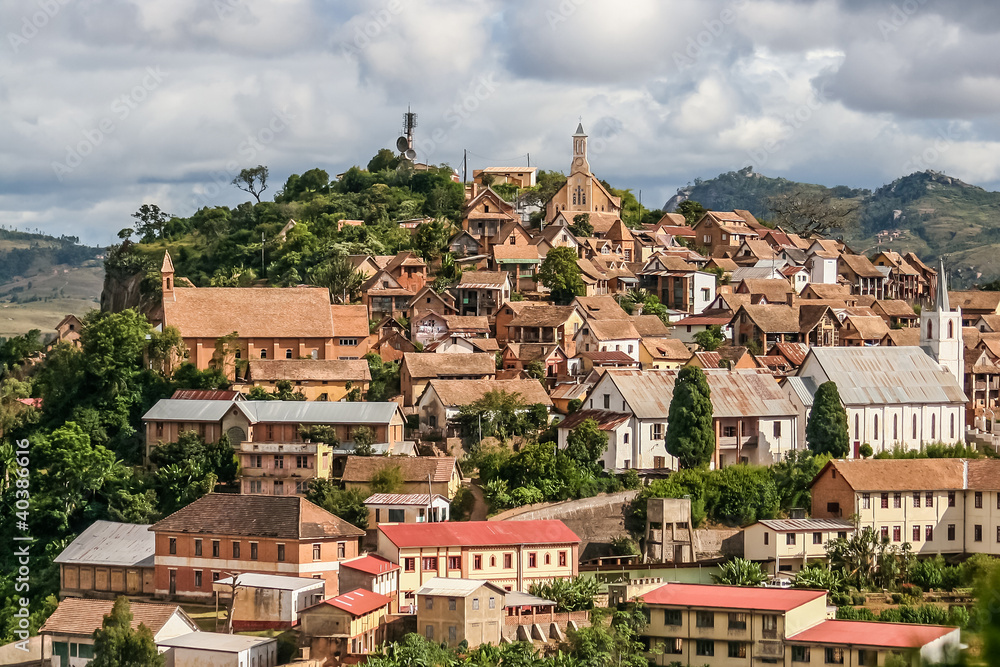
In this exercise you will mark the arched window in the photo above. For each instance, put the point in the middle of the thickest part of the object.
(914, 427)
(574, 199)
(930, 329)
(288, 353)
(933, 426)
(239, 354)
(263, 354)
(951, 329)
(952, 436)
(875, 429)
(895, 427)
(493, 561)
(857, 427)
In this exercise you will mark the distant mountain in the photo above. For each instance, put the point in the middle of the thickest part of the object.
(43, 278)
(929, 213)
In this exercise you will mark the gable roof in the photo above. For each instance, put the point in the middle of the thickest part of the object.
(606, 419)
(975, 300)
(359, 601)
(335, 370)
(861, 266)
(886, 375)
(319, 412)
(422, 365)
(775, 290)
(349, 320)
(772, 318)
(82, 616)
(111, 543)
(666, 348)
(413, 468)
(283, 517)
(370, 564)
(650, 325)
(455, 587)
(454, 393)
(731, 597)
(872, 633)
(252, 312)
(538, 315)
(899, 474)
(600, 308)
(479, 533)
(612, 330)
(483, 279)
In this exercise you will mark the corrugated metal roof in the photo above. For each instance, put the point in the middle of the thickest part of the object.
(804, 388)
(806, 525)
(275, 581)
(111, 543)
(416, 499)
(886, 375)
(519, 599)
(318, 412)
(737, 393)
(188, 410)
(451, 587)
(215, 641)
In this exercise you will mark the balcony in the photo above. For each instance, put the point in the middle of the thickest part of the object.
(768, 649)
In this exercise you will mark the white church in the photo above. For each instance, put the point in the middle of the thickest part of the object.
(898, 396)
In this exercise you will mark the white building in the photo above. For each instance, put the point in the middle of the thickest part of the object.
(265, 601)
(214, 649)
(893, 395)
(608, 336)
(755, 422)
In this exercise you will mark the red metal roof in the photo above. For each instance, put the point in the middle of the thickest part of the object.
(370, 564)
(731, 597)
(359, 601)
(479, 533)
(872, 633)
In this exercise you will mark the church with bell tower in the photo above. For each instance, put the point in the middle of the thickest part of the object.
(583, 193)
(941, 331)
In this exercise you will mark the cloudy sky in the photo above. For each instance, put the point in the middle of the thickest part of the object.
(107, 104)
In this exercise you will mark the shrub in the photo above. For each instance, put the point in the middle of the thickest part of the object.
(912, 590)
(858, 599)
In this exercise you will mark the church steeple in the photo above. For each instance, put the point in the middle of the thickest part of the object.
(167, 275)
(580, 163)
(941, 331)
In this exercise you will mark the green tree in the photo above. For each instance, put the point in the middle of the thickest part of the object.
(150, 222)
(535, 369)
(691, 210)
(384, 159)
(741, 495)
(826, 430)
(348, 504)
(690, 435)
(574, 594)
(740, 572)
(711, 339)
(561, 274)
(387, 480)
(820, 576)
(117, 644)
(338, 275)
(431, 238)
(364, 440)
(498, 414)
(581, 226)
(869, 561)
(586, 444)
(793, 474)
(252, 180)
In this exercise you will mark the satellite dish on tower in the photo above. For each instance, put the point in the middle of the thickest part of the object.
(402, 144)
(410, 154)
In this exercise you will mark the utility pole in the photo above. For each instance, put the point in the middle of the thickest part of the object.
(262, 254)
(465, 166)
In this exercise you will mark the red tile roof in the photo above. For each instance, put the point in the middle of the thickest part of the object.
(731, 597)
(359, 601)
(479, 533)
(370, 564)
(872, 633)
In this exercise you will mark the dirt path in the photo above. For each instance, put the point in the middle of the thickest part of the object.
(480, 509)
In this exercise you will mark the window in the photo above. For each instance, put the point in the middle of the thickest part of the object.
(451, 604)
(657, 431)
(508, 561)
(430, 563)
(562, 559)
(452, 634)
(454, 563)
(532, 559)
(928, 533)
(777, 434)
(672, 646)
(279, 462)
(916, 499)
(704, 619)
(301, 461)
(429, 632)
(737, 650)
(929, 499)
(833, 508)
(866, 501)
(933, 426)
(834, 656)
(288, 353)
(897, 533)
(341, 550)
(263, 354)
(475, 604)
(951, 532)
(769, 624)
(729, 431)
(914, 427)
(236, 549)
(317, 551)
(255, 461)
(895, 427)
(215, 548)
(951, 499)
(215, 576)
(477, 562)
(857, 426)
(885, 501)
(842, 535)
(159, 428)
(253, 551)
(607, 401)
(897, 500)
(916, 533)
(281, 553)
(767, 538)
(349, 342)
(672, 617)
(548, 559)
(884, 533)
(977, 533)
(800, 654)
(493, 602)
(952, 421)
(197, 547)
(197, 578)
(409, 564)
(790, 538)
(256, 486)
(704, 647)
(979, 500)
(737, 621)
(173, 546)
(875, 428)
(397, 516)
(817, 538)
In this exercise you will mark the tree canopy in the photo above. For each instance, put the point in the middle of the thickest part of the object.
(560, 273)
(826, 430)
(690, 435)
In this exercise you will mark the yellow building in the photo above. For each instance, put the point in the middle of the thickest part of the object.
(440, 473)
(455, 610)
(316, 379)
(510, 554)
(349, 624)
(698, 624)
(786, 545)
(663, 353)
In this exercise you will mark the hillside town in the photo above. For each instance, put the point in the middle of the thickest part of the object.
(700, 440)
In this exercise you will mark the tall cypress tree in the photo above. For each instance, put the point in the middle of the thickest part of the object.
(826, 431)
(690, 436)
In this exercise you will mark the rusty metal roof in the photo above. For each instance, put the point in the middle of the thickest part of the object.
(883, 375)
(806, 525)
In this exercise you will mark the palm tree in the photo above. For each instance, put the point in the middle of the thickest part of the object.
(740, 572)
